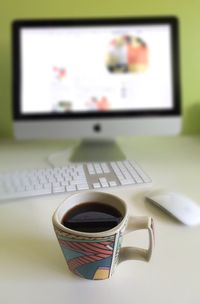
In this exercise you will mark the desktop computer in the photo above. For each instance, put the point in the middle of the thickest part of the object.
(92, 79)
(96, 79)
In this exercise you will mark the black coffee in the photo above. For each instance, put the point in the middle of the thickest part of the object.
(92, 217)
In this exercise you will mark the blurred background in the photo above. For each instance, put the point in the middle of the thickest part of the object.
(186, 11)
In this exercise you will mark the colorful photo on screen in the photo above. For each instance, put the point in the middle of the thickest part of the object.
(127, 54)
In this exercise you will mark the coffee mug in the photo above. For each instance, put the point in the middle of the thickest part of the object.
(95, 255)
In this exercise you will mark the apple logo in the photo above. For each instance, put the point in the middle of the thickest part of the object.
(97, 127)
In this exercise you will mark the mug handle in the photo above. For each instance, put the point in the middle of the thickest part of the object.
(134, 253)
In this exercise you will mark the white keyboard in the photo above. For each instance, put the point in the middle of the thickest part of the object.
(71, 178)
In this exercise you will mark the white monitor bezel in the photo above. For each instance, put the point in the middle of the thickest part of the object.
(96, 124)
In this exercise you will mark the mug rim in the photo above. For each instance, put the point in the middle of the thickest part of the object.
(57, 223)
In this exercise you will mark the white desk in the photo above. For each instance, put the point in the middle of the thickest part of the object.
(32, 267)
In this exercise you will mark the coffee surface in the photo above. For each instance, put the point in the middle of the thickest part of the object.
(92, 217)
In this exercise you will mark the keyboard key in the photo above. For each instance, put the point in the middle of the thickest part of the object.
(82, 187)
(96, 185)
(71, 188)
(90, 168)
(103, 182)
(126, 182)
(58, 189)
(105, 168)
(98, 168)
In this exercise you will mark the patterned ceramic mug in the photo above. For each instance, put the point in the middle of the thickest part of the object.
(95, 255)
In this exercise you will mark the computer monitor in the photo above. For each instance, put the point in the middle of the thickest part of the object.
(96, 79)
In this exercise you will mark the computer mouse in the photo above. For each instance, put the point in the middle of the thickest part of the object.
(178, 205)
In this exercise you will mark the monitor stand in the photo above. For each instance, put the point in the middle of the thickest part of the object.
(97, 150)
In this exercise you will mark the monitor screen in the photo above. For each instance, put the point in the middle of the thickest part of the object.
(82, 67)
(108, 68)
(100, 77)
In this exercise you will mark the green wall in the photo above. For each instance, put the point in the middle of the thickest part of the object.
(187, 11)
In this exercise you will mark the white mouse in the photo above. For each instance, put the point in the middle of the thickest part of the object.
(181, 207)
